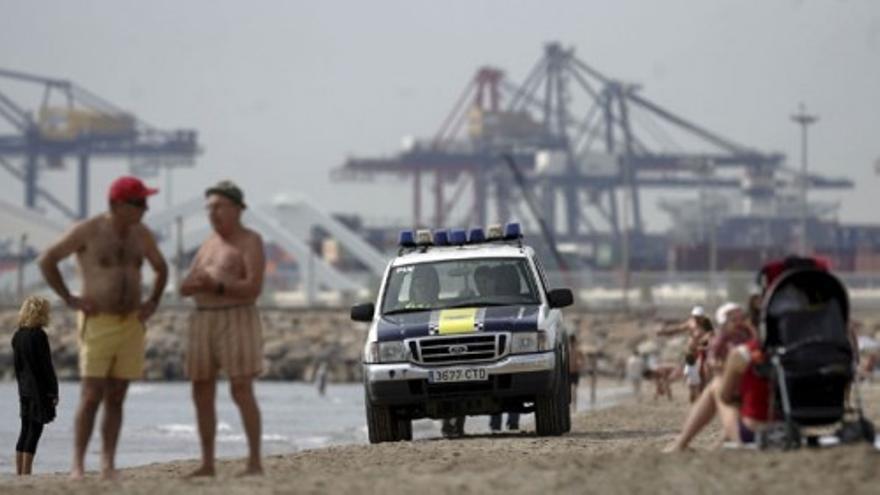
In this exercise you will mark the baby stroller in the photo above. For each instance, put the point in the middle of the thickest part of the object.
(808, 353)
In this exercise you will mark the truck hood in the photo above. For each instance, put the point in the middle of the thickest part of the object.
(517, 318)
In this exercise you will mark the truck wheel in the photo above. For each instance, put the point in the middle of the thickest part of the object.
(403, 429)
(792, 437)
(381, 426)
(566, 412)
(551, 409)
(566, 386)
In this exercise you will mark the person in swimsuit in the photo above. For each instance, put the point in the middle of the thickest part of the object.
(225, 332)
(737, 395)
(110, 250)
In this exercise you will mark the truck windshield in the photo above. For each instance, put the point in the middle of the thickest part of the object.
(459, 283)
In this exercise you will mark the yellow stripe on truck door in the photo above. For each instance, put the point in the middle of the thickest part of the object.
(459, 320)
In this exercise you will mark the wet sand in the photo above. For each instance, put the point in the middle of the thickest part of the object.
(615, 450)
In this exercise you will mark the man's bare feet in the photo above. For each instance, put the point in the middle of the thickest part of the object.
(110, 474)
(671, 448)
(674, 447)
(77, 474)
(202, 472)
(251, 470)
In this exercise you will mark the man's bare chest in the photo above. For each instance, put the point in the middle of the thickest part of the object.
(224, 257)
(107, 251)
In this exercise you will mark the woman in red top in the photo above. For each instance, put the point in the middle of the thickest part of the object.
(735, 381)
(742, 386)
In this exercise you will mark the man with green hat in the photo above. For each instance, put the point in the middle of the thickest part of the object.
(225, 332)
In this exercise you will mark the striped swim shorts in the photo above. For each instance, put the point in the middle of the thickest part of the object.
(228, 339)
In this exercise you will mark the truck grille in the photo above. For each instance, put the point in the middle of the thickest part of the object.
(459, 348)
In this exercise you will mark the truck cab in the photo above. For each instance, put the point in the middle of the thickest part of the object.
(464, 324)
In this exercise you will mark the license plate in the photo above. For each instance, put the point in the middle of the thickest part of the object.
(452, 375)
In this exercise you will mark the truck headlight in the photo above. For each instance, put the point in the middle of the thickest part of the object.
(386, 352)
(523, 342)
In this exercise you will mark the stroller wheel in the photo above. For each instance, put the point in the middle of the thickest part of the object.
(868, 431)
(792, 437)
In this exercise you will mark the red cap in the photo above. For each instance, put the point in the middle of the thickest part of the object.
(127, 188)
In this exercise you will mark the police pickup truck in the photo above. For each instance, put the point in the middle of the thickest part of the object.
(464, 324)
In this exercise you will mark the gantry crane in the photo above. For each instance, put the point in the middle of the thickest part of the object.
(581, 138)
(72, 122)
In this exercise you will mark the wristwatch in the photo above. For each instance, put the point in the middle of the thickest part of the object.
(220, 289)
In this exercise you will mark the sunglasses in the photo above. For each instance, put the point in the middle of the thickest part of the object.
(137, 203)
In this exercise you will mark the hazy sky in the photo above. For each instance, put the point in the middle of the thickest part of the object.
(283, 91)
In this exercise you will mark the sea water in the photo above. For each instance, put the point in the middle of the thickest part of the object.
(159, 423)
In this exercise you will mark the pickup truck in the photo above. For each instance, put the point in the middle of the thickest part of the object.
(464, 324)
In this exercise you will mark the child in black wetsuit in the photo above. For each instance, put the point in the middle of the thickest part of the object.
(37, 384)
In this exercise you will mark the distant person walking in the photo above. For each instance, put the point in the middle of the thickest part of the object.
(225, 332)
(635, 371)
(35, 374)
(110, 249)
(321, 377)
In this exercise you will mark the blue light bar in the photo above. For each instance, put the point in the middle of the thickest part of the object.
(476, 235)
(441, 237)
(457, 237)
(512, 231)
(424, 237)
(407, 238)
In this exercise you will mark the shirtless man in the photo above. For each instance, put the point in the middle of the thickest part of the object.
(110, 249)
(225, 280)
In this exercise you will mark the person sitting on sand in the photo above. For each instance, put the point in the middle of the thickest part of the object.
(741, 398)
(37, 383)
(737, 394)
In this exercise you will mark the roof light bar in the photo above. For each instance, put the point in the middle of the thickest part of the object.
(512, 231)
(457, 237)
(407, 239)
(441, 237)
(423, 237)
(494, 232)
(476, 235)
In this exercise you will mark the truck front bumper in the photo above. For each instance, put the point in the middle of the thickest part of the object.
(519, 376)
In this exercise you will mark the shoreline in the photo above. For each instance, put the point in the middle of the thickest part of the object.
(177, 434)
(612, 450)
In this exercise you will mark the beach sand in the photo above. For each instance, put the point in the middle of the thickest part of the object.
(615, 450)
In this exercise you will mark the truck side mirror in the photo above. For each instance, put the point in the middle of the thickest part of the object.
(560, 298)
(363, 312)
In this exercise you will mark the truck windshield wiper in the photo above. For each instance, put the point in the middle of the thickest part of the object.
(477, 304)
(399, 311)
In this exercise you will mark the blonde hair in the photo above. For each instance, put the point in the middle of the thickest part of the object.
(34, 312)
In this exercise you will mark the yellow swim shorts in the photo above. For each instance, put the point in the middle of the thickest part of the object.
(111, 346)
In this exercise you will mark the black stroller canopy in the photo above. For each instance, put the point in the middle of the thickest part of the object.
(804, 303)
